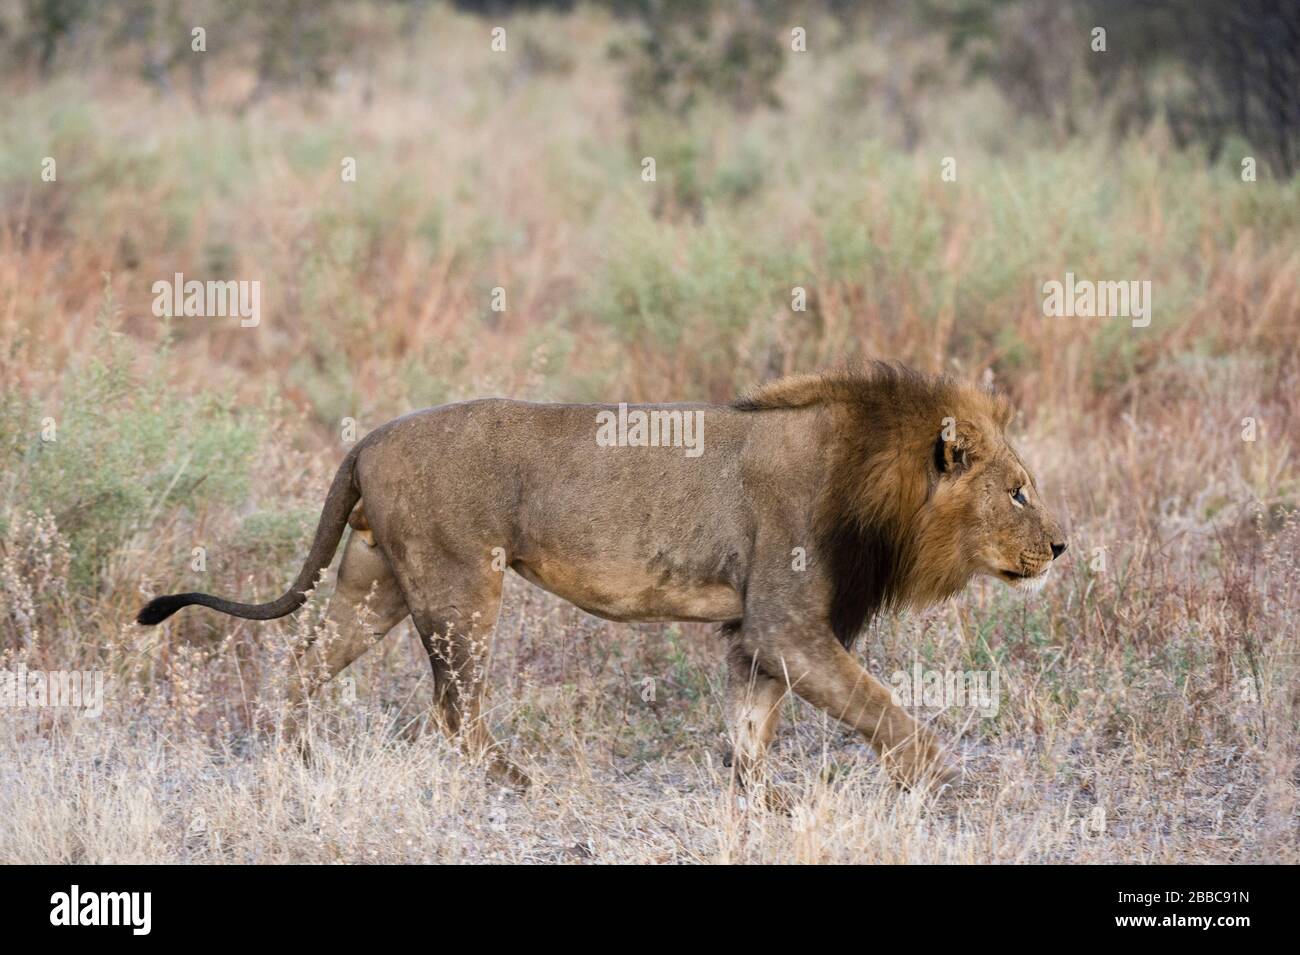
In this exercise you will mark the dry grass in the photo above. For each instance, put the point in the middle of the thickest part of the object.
(1148, 711)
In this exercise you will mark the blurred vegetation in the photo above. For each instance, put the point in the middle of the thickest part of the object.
(119, 451)
(685, 52)
(1215, 69)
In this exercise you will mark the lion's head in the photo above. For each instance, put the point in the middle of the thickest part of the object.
(982, 491)
(923, 490)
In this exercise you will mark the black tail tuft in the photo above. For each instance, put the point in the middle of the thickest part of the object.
(160, 608)
(340, 500)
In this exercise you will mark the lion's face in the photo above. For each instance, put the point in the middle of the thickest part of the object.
(1017, 537)
(1007, 530)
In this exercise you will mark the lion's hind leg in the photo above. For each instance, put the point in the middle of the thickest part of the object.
(455, 612)
(366, 604)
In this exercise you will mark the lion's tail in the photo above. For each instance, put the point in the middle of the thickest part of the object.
(342, 497)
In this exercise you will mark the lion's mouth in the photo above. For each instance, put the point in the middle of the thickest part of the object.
(1016, 577)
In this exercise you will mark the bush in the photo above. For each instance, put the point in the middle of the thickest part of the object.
(122, 447)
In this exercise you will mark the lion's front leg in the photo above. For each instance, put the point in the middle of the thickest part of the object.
(754, 710)
(816, 667)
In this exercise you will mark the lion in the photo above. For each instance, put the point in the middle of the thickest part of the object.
(800, 512)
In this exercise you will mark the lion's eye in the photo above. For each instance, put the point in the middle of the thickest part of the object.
(1018, 497)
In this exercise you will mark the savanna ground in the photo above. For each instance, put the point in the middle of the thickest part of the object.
(1149, 698)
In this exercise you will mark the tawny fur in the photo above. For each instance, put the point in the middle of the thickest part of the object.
(895, 487)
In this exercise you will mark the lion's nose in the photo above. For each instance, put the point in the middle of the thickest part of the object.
(1057, 550)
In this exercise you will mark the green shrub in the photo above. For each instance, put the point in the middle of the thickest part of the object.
(125, 447)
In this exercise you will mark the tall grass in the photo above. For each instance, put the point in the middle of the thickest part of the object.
(1149, 704)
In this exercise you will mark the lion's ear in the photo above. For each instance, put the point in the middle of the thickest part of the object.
(954, 448)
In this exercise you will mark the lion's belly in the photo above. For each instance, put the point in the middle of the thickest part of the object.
(631, 594)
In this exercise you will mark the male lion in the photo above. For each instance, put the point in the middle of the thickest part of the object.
(807, 507)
